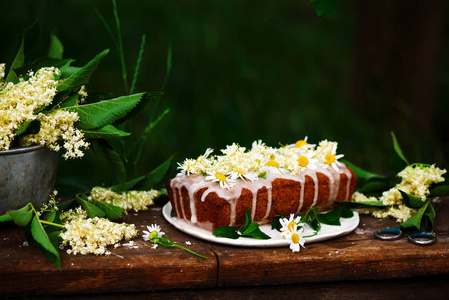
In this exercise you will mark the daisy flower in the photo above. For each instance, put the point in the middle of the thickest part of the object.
(296, 239)
(302, 144)
(289, 225)
(239, 174)
(225, 182)
(154, 231)
(307, 161)
(272, 166)
(328, 155)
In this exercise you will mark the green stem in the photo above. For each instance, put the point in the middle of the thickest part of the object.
(120, 45)
(51, 223)
(188, 250)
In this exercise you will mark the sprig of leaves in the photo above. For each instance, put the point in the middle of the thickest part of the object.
(372, 184)
(250, 229)
(43, 231)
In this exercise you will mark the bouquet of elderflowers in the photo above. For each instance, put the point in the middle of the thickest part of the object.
(46, 103)
(411, 201)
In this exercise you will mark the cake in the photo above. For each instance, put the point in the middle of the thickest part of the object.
(214, 191)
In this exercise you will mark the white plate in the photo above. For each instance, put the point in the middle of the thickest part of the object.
(326, 232)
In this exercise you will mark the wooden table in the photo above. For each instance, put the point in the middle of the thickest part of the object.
(355, 265)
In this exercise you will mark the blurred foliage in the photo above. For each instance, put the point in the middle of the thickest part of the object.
(241, 71)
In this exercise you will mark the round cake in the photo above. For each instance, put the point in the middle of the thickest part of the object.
(213, 191)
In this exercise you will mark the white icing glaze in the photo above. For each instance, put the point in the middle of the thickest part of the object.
(194, 183)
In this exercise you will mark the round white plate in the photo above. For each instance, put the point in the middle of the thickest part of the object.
(326, 232)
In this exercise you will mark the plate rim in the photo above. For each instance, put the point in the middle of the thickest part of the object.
(350, 224)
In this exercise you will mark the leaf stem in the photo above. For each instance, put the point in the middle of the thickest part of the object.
(51, 223)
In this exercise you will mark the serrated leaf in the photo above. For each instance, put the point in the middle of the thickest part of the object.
(276, 224)
(146, 98)
(22, 216)
(91, 210)
(112, 212)
(412, 201)
(108, 131)
(56, 48)
(68, 101)
(324, 7)
(155, 176)
(226, 232)
(102, 113)
(19, 59)
(41, 238)
(82, 76)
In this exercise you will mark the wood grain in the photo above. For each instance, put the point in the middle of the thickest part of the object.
(352, 259)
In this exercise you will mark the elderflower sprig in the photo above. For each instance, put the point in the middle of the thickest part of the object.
(155, 235)
(409, 201)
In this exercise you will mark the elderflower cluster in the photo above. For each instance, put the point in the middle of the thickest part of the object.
(92, 235)
(19, 101)
(54, 126)
(22, 102)
(130, 200)
(416, 181)
(236, 163)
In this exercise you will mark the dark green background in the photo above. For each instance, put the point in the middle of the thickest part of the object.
(270, 70)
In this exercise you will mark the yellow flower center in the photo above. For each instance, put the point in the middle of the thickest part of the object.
(239, 171)
(272, 163)
(220, 177)
(330, 158)
(295, 238)
(154, 234)
(291, 225)
(300, 143)
(303, 161)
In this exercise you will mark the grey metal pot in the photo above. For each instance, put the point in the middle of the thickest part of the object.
(26, 175)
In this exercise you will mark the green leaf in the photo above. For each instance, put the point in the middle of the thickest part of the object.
(41, 237)
(276, 224)
(112, 212)
(12, 77)
(29, 127)
(22, 216)
(248, 229)
(102, 113)
(412, 201)
(398, 151)
(324, 7)
(56, 48)
(139, 60)
(363, 174)
(364, 204)
(108, 131)
(331, 218)
(91, 210)
(61, 64)
(82, 76)
(20, 56)
(257, 234)
(153, 178)
(69, 100)
(346, 213)
(374, 187)
(66, 205)
(6, 218)
(48, 216)
(226, 232)
(440, 191)
(146, 98)
(416, 219)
